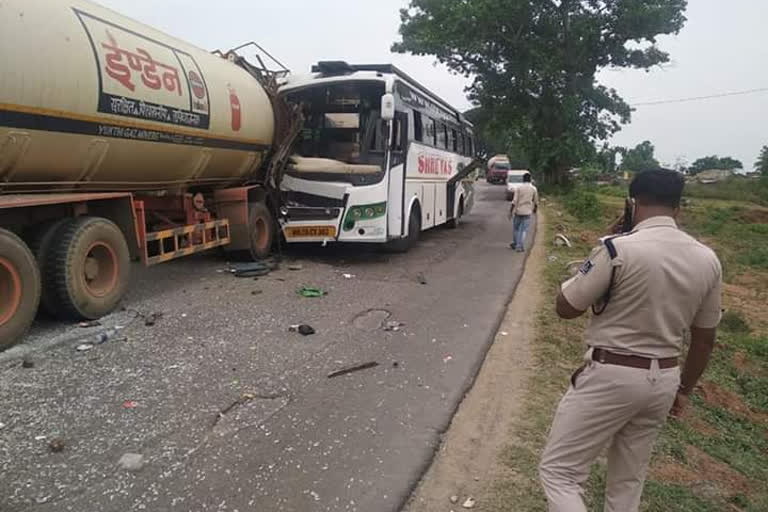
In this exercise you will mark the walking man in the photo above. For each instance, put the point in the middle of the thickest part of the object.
(524, 204)
(645, 288)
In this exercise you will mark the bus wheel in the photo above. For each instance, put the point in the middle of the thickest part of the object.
(39, 239)
(414, 232)
(19, 288)
(88, 268)
(261, 226)
(454, 222)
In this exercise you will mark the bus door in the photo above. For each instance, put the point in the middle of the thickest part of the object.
(396, 175)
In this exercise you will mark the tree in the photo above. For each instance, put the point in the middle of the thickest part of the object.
(534, 63)
(640, 158)
(495, 139)
(715, 162)
(761, 165)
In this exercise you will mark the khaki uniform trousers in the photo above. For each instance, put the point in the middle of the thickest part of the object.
(611, 406)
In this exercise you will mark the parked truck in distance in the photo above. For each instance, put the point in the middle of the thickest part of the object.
(497, 169)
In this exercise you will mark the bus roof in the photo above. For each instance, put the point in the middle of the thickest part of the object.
(340, 71)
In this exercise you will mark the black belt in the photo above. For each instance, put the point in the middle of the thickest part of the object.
(605, 357)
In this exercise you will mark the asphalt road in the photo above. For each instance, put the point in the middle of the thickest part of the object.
(231, 411)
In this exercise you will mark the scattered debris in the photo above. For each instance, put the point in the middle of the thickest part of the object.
(454, 499)
(84, 347)
(421, 278)
(27, 363)
(306, 330)
(257, 292)
(57, 445)
(89, 323)
(131, 461)
(2, 426)
(504, 333)
(130, 404)
(562, 240)
(40, 438)
(293, 328)
(447, 358)
(296, 266)
(552, 258)
(254, 269)
(354, 368)
(309, 291)
(152, 318)
(348, 276)
(395, 364)
(469, 502)
(393, 326)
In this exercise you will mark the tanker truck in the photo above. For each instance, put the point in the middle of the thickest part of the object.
(120, 143)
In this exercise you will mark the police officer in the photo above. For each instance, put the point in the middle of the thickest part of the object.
(646, 288)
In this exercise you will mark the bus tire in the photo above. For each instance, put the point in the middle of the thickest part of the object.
(88, 267)
(19, 288)
(261, 230)
(414, 232)
(454, 222)
(39, 239)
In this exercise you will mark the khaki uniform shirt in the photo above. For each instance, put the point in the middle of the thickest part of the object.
(665, 282)
(526, 198)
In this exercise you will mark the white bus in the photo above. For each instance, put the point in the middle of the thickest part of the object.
(379, 160)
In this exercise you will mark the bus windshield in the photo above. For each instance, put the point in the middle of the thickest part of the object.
(514, 178)
(342, 122)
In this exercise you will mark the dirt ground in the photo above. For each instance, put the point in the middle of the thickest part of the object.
(467, 462)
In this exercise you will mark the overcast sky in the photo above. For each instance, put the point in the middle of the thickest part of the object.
(723, 48)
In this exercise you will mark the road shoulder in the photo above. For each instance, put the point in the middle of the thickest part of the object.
(467, 463)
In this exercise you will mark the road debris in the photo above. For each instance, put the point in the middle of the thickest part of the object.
(421, 278)
(552, 258)
(309, 291)
(40, 438)
(27, 363)
(393, 326)
(254, 269)
(84, 347)
(89, 323)
(447, 358)
(351, 369)
(296, 266)
(2, 426)
(152, 318)
(348, 276)
(57, 445)
(454, 499)
(131, 462)
(257, 292)
(504, 333)
(562, 240)
(130, 404)
(469, 502)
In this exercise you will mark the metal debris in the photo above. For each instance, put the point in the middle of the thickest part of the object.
(57, 445)
(84, 347)
(469, 502)
(393, 325)
(354, 368)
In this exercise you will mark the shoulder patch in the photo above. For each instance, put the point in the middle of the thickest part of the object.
(586, 267)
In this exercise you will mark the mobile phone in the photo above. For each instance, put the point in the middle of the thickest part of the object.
(626, 227)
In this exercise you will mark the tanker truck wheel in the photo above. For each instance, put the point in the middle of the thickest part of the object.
(261, 227)
(39, 239)
(19, 288)
(88, 267)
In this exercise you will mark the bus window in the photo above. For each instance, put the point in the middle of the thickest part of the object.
(462, 149)
(441, 140)
(429, 130)
(454, 145)
(397, 133)
(470, 148)
(418, 130)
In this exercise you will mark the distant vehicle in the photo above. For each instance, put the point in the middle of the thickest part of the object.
(497, 169)
(514, 180)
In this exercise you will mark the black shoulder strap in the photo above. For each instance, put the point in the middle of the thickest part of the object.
(609, 245)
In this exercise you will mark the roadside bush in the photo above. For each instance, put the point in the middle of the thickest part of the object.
(733, 189)
(734, 321)
(584, 205)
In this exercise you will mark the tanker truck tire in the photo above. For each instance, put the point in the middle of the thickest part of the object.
(88, 267)
(19, 288)
(39, 239)
(261, 226)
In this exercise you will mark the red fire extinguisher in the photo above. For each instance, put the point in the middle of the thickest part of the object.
(234, 102)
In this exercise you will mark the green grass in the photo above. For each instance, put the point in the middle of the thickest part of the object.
(738, 233)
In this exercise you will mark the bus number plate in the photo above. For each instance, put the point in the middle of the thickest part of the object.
(310, 232)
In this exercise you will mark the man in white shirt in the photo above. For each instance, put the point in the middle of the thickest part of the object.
(524, 205)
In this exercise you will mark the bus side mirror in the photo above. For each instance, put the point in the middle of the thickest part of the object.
(388, 107)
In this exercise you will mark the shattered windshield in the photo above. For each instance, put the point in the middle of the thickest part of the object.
(342, 122)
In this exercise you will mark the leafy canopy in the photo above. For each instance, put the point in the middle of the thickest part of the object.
(715, 162)
(534, 63)
(640, 158)
(761, 165)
